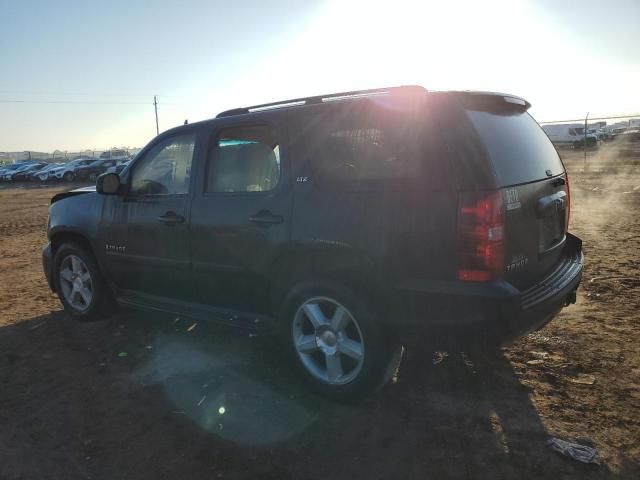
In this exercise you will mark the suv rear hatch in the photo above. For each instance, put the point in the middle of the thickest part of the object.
(532, 182)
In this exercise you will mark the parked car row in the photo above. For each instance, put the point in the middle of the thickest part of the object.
(20, 171)
(80, 169)
(573, 134)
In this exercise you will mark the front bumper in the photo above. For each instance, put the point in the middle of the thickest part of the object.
(47, 265)
(489, 313)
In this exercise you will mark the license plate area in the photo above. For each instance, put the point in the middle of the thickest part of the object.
(551, 231)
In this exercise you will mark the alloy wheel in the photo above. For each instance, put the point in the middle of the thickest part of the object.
(76, 282)
(328, 341)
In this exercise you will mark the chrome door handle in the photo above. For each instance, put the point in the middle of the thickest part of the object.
(171, 218)
(265, 217)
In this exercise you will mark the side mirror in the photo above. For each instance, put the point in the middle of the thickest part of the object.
(108, 184)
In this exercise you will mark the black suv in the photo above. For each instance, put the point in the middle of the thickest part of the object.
(95, 168)
(351, 224)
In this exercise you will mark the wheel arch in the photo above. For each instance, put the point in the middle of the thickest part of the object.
(63, 236)
(314, 263)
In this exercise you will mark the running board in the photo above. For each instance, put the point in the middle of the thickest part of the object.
(234, 318)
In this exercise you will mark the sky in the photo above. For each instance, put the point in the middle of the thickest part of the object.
(82, 74)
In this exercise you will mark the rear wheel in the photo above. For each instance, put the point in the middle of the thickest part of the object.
(79, 284)
(338, 343)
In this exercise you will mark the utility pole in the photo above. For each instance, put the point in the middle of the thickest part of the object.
(586, 119)
(155, 106)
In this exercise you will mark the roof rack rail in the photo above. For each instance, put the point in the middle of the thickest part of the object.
(317, 99)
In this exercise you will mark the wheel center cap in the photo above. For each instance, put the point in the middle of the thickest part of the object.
(329, 338)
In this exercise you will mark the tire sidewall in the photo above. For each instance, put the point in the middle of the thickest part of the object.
(378, 351)
(99, 300)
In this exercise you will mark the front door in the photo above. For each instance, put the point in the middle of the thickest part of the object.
(146, 231)
(241, 212)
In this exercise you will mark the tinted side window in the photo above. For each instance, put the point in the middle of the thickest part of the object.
(165, 169)
(244, 159)
(364, 142)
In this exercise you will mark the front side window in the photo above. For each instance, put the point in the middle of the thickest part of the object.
(244, 159)
(165, 169)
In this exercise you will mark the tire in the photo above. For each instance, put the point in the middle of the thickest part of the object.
(365, 366)
(83, 297)
(68, 176)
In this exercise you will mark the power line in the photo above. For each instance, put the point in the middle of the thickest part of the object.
(82, 94)
(592, 118)
(71, 102)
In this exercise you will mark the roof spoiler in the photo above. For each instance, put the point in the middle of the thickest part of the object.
(500, 97)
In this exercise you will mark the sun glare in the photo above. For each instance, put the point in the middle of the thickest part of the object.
(494, 45)
(353, 45)
(435, 43)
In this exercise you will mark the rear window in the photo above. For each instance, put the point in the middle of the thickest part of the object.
(520, 151)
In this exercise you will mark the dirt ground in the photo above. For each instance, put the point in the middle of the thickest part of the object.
(150, 396)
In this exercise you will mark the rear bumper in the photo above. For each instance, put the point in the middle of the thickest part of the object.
(47, 265)
(496, 312)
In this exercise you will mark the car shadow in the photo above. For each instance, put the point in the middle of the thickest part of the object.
(143, 395)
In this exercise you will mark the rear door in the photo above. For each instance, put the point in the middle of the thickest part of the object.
(528, 170)
(241, 211)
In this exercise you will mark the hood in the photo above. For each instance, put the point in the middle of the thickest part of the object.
(73, 193)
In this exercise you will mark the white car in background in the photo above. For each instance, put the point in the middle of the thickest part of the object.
(67, 171)
(119, 167)
(569, 134)
(43, 175)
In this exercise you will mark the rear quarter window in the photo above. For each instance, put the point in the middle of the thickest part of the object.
(367, 144)
(519, 150)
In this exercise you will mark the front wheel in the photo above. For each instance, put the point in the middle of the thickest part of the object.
(68, 176)
(79, 284)
(338, 342)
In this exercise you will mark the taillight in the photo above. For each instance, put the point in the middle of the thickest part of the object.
(480, 236)
(568, 209)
